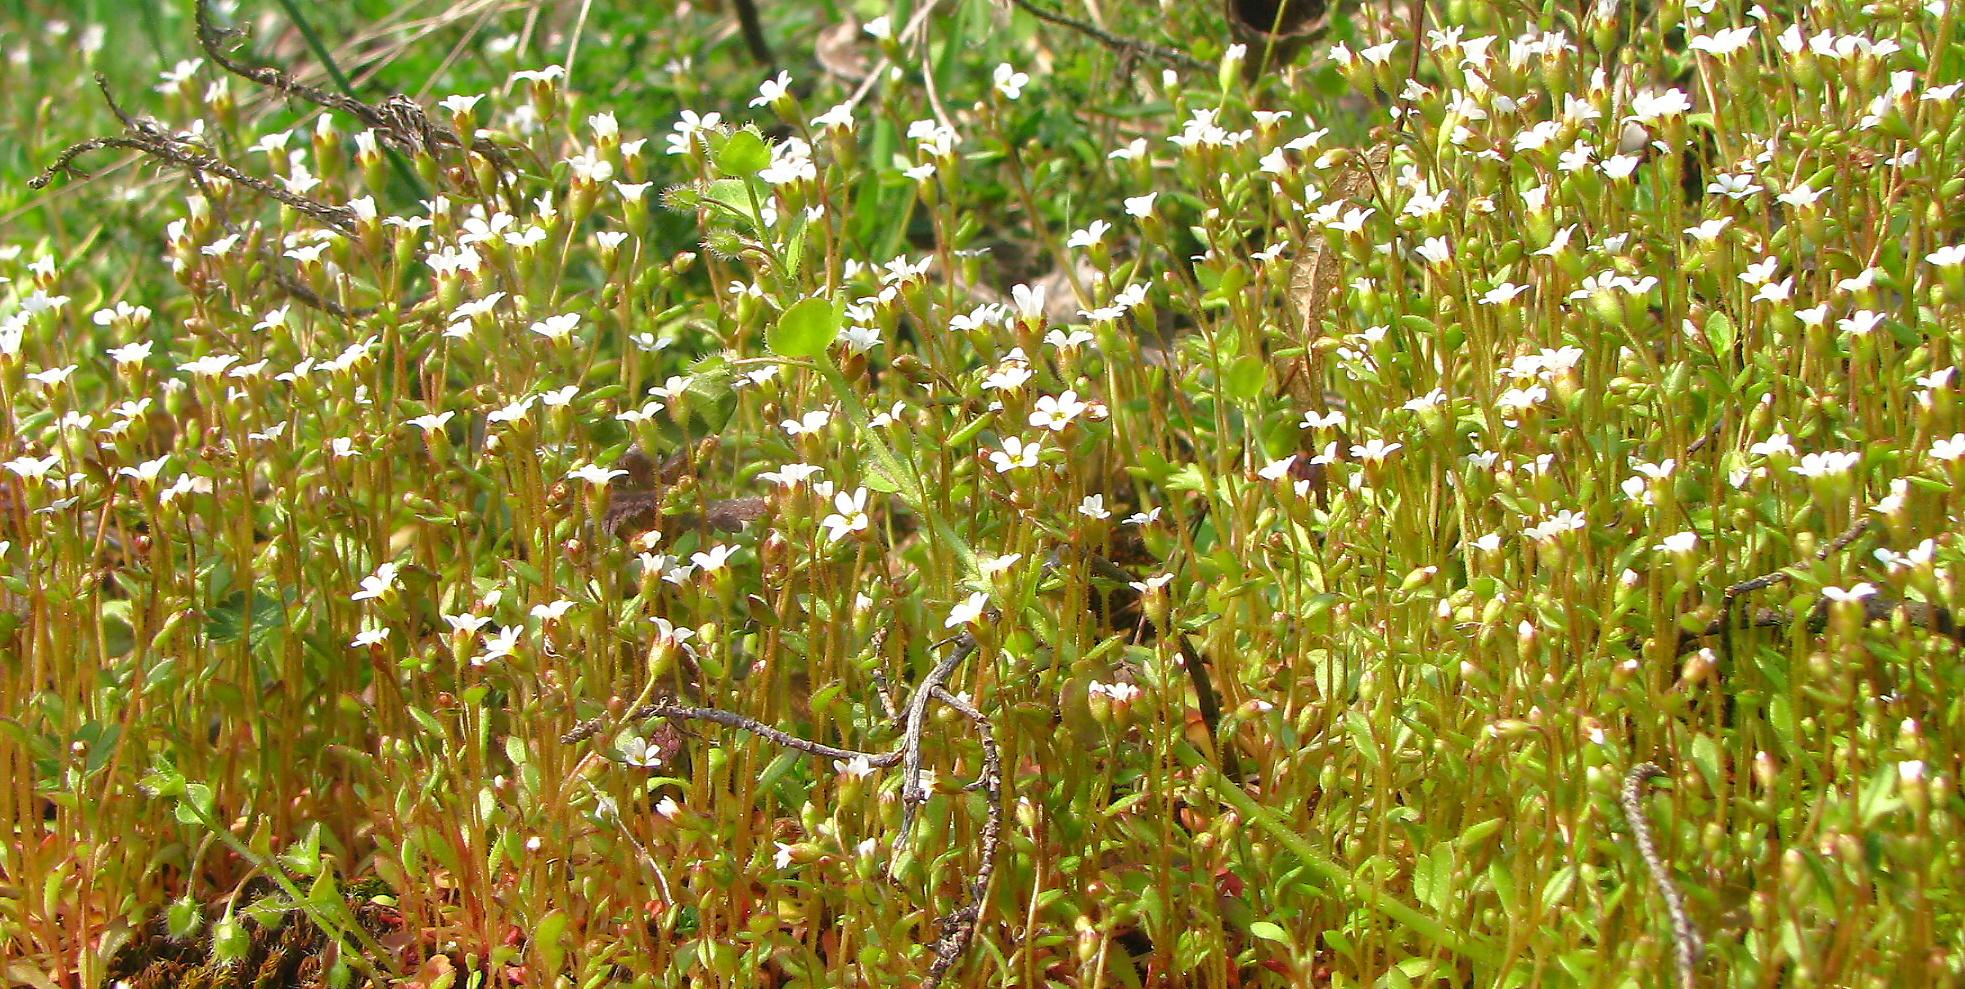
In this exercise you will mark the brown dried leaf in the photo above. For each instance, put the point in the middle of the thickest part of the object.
(1315, 275)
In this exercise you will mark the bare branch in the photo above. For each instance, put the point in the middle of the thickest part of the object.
(1123, 45)
(1685, 937)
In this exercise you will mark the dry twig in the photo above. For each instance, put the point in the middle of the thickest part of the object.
(1685, 937)
(958, 927)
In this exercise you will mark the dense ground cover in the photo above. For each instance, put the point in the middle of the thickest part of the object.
(1022, 496)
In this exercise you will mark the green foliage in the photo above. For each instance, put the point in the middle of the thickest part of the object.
(1341, 503)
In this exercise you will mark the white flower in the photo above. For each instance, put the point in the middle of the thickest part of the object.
(1147, 517)
(1009, 81)
(595, 474)
(790, 475)
(1679, 543)
(1946, 257)
(133, 353)
(1276, 470)
(713, 559)
(1078, 337)
(432, 423)
(211, 364)
(1619, 167)
(466, 623)
(1333, 419)
(1375, 451)
(552, 611)
(1648, 106)
(1089, 237)
(1777, 443)
(1860, 322)
(688, 127)
(498, 645)
(1008, 376)
(839, 117)
(1502, 294)
(1856, 593)
(1094, 507)
(1029, 301)
(772, 90)
(458, 103)
(1801, 196)
(514, 412)
(1055, 414)
(1120, 693)
(557, 328)
(1151, 584)
(1826, 464)
(1724, 42)
(1949, 449)
(990, 566)
(967, 611)
(54, 375)
(547, 74)
(370, 637)
(808, 424)
(378, 584)
(1735, 187)
(1141, 207)
(1434, 251)
(636, 751)
(851, 516)
(647, 411)
(1016, 454)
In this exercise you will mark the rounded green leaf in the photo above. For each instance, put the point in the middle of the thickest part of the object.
(744, 153)
(1269, 932)
(1246, 377)
(806, 329)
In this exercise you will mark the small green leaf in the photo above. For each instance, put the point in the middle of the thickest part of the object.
(1721, 333)
(1245, 377)
(1269, 932)
(744, 153)
(806, 329)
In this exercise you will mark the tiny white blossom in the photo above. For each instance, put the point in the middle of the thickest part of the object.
(967, 611)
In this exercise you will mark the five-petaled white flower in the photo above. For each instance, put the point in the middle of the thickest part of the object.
(636, 751)
(851, 515)
(1055, 414)
(1016, 454)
